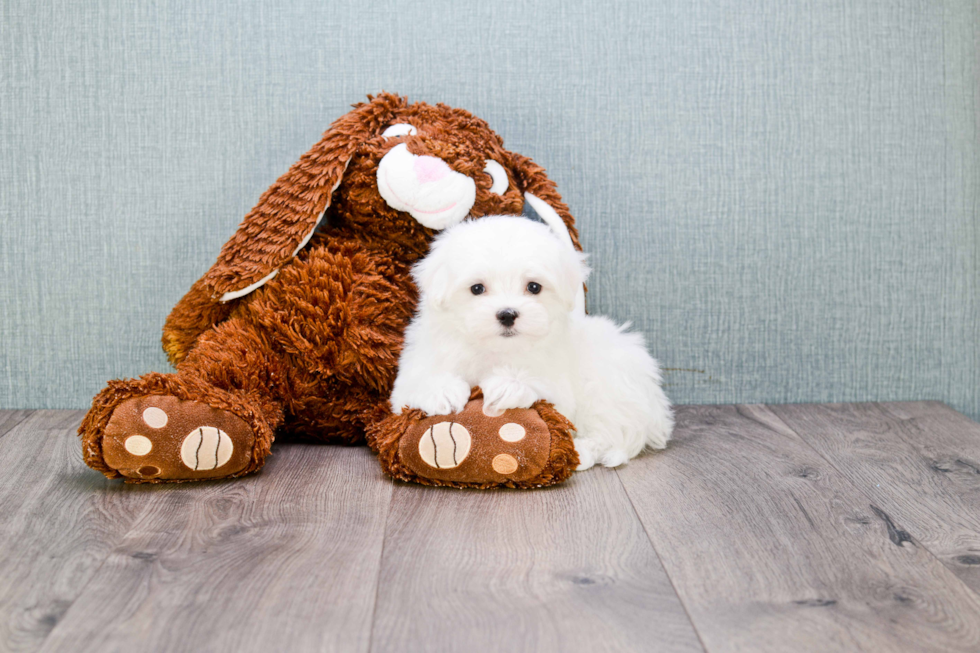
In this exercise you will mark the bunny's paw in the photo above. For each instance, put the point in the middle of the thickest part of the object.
(161, 438)
(519, 447)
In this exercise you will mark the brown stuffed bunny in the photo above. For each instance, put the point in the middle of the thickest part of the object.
(297, 328)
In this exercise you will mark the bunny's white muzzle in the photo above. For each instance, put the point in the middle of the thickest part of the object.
(425, 187)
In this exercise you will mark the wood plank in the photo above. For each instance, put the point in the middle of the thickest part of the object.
(60, 520)
(567, 568)
(11, 418)
(772, 549)
(283, 561)
(919, 462)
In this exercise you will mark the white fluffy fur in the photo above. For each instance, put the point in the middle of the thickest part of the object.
(595, 373)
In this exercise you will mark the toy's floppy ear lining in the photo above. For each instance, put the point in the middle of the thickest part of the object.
(543, 203)
(544, 200)
(287, 214)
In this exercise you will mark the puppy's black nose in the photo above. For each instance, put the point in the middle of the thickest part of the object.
(507, 316)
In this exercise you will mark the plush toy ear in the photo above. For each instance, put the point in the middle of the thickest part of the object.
(541, 199)
(278, 227)
(543, 203)
(288, 213)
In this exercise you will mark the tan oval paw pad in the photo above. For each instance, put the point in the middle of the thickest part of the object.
(504, 464)
(155, 417)
(492, 412)
(138, 445)
(511, 432)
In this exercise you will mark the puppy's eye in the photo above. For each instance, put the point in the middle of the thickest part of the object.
(499, 176)
(400, 129)
(534, 287)
(477, 289)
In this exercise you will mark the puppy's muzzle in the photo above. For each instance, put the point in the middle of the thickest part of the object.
(507, 317)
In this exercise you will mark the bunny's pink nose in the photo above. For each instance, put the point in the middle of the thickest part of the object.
(430, 168)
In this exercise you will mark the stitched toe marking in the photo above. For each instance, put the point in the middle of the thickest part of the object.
(511, 432)
(492, 412)
(155, 417)
(504, 464)
(138, 445)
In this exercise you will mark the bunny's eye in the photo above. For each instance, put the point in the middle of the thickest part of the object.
(400, 129)
(499, 176)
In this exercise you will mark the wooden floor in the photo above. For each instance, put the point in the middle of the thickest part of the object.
(850, 527)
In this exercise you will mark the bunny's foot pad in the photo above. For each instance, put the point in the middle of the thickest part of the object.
(157, 438)
(521, 448)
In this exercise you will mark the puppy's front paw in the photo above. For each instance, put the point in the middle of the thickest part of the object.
(502, 393)
(440, 395)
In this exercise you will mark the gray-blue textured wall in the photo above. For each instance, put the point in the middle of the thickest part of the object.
(782, 195)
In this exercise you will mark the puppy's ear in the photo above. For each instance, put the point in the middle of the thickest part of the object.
(432, 277)
(573, 271)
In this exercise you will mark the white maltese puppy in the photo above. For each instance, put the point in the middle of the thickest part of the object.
(500, 309)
